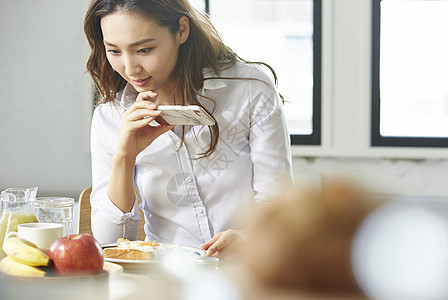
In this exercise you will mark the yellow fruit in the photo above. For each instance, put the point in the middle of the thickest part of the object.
(25, 252)
(11, 267)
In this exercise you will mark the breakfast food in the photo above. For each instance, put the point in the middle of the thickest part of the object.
(24, 251)
(76, 255)
(23, 258)
(133, 250)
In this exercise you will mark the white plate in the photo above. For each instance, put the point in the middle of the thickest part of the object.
(129, 264)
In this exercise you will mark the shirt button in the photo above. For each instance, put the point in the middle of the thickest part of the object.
(178, 144)
(189, 180)
(201, 211)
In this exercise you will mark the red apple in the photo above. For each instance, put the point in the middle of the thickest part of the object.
(77, 254)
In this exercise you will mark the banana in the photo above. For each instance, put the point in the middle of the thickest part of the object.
(11, 267)
(25, 252)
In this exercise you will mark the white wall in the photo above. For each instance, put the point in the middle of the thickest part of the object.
(425, 178)
(46, 105)
(45, 96)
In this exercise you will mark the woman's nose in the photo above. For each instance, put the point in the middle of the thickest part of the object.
(132, 66)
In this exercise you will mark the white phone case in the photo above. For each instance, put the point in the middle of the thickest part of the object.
(184, 115)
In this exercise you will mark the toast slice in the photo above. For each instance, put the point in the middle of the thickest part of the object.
(128, 254)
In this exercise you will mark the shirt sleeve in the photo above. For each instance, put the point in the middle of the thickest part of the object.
(108, 221)
(269, 140)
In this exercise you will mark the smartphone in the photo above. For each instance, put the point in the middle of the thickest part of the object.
(183, 115)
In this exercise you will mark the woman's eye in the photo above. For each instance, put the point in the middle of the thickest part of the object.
(113, 51)
(146, 50)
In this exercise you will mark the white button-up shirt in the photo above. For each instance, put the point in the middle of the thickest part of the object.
(186, 200)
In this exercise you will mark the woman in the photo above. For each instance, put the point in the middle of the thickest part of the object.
(193, 180)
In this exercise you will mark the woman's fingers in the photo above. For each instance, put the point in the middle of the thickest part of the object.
(135, 125)
(143, 108)
(223, 243)
(211, 242)
(159, 130)
(136, 132)
(220, 247)
(143, 114)
(225, 252)
(148, 95)
(141, 105)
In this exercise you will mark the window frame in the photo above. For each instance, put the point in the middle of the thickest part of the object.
(207, 7)
(376, 138)
(315, 137)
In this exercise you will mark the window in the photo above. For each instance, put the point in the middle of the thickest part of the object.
(200, 5)
(410, 73)
(286, 34)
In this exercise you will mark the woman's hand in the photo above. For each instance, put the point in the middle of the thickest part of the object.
(135, 133)
(225, 244)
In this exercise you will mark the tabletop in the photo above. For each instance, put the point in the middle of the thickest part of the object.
(159, 282)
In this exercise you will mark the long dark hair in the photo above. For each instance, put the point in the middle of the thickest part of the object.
(203, 48)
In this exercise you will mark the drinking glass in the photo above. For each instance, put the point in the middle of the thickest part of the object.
(56, 210)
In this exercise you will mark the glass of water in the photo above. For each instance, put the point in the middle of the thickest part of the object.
(56, 210)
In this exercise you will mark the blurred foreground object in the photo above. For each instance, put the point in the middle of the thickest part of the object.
(401, 251)
(303, 239)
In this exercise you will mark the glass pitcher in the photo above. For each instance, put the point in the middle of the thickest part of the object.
(17, 207)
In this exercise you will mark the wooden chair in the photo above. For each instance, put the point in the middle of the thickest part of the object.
(84, 221)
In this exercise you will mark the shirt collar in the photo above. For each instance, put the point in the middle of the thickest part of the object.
(213, 82)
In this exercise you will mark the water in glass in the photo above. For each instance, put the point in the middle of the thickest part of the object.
(56, 210)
